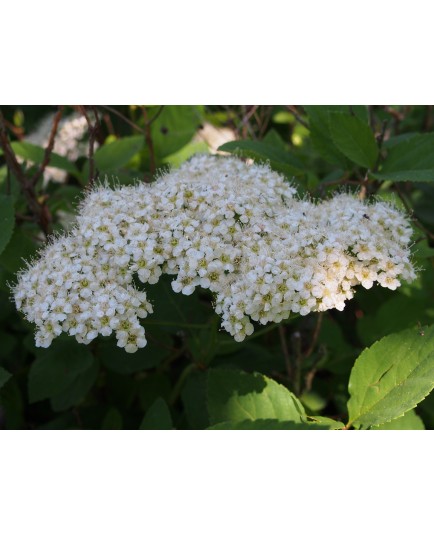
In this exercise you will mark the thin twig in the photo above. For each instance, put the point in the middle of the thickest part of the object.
(308, 379)
(295, 113)
(41, 214)
(157, 115)
(380, 141)
(123, 117)
(49, 148)
(149, 142)
(285, 351)
(93, 131)
(298, 358)
(315, 336)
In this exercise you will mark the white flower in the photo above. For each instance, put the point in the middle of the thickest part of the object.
(219, 224)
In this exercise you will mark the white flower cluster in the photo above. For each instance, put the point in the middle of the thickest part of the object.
(218, 224)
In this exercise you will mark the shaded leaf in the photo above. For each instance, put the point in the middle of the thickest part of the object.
(4, 376)
(193, 397)
(157, 417)
(391, 377)
(354, 139)
(20, 246)
(263, 152)
(7, 220)
(236, 396)
(413, 175)
(414, 153)
(113, 420)
(56, 368)
(321, 136)
(77, 390)
(118, 360)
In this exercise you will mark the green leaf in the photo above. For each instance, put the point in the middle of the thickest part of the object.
(12, 403)
(236, 396)
(267, 424)
(193, 397)
(113, 420)
(4, 376)
(74, 393)
(56, 368)
(391, 377)
(409, 421)
(174, 128)
(263, 152)
(173, 311)
(385, 319)
(331, 424)
(7, 220)
(192, 148)
(36, 154)
(115, 155)
(157, 417)
(118, 360)
(354, 139)
(415, 153)
(321, 136)
(20, 246)
(413, 175)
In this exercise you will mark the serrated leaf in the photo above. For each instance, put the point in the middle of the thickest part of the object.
(414, 153)
(267, 424)
(77, 390)
(193, 397)
(4, 376)
(157, 417)
(236, 396)
(118, 153)
(331, 424)
(7, 220)
(409, 421)
(391, 377)
(413, 175)
(354, 139)
(321, 136)
(56, 368)
(263, 152)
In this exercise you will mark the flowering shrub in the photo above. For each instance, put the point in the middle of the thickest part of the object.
(219, 224)
(147, 282)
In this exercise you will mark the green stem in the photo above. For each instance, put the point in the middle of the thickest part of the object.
(180, 383)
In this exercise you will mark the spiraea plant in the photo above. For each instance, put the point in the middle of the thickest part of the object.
(285, 283)
(216, 223)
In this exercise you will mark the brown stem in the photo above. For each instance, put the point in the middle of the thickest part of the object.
(41, 214)
(315, 335)
(93, 132)
(123, 117)
(298, 358)
(49, 148)
(285, 351)
(295, 113)
(149, 142)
